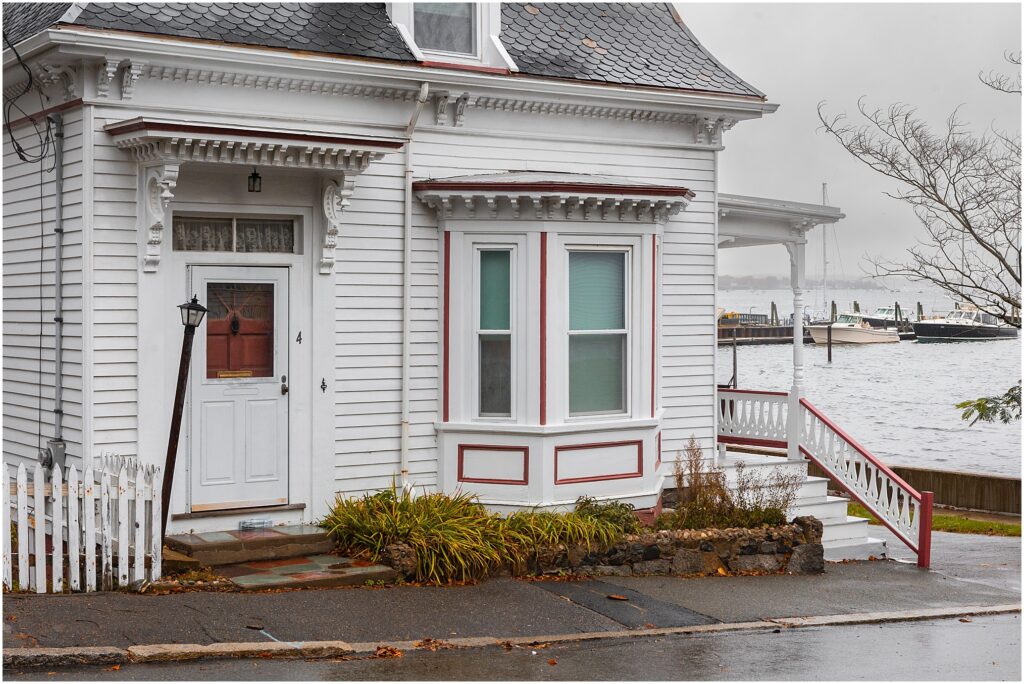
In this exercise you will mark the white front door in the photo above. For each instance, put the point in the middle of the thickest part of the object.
(238, 436)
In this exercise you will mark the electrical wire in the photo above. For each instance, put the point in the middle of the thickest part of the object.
(45, 143)
(44, 136)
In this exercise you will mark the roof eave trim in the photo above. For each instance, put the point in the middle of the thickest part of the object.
(98, 42)
(779, 210)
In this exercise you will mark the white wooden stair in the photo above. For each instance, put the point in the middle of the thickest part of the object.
(844, 537)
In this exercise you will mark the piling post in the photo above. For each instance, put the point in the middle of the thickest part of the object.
(735, 382)
(829, 336)
(832, 312)
(856, 306)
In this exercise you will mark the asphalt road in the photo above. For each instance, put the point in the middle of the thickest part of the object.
(984, 648)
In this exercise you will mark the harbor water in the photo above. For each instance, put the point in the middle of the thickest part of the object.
(898, 400)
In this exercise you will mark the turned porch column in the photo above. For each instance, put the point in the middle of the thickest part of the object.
(797, 267)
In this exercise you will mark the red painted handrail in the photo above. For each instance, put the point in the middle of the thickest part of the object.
(925, 500)
(743, 391)
(860, 449)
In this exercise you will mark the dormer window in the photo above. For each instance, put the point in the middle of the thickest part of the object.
(445, 27)
(452, 33)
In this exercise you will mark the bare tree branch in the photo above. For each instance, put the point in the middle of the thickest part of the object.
(965, 190)
(1004, 82)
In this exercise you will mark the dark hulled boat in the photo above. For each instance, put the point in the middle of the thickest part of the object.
(963, 324)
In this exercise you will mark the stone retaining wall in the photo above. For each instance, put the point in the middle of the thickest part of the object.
(794, 549)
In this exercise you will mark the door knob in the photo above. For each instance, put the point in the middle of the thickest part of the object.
(284, 384)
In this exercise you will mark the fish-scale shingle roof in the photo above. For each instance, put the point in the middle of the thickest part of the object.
(622, 43)
(356, 29)
(614, 43)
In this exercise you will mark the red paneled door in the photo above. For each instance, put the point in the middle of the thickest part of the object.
(238, 436)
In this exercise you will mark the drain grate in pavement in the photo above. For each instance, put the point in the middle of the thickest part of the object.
(635, 612)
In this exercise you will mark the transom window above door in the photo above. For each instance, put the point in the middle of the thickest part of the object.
(233, 234)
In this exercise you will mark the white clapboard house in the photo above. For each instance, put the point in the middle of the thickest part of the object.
(457, 246)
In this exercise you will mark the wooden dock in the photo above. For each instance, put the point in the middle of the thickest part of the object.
(757, 334)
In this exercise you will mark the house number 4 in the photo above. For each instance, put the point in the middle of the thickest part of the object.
(299, 338)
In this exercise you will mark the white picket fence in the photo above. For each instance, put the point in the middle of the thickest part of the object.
(71, 532)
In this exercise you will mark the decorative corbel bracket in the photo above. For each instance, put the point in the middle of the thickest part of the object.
(709, 129)
(160, 182)
(105, 72)
(129, 77)
(441, 108)
(460, 108)
(336, 193)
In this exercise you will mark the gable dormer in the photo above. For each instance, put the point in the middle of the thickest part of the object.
(456, 33)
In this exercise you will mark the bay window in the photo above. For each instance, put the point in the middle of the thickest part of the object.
(494, 332)
(598, 335)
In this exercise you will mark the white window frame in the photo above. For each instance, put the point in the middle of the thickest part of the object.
(488, 50)
(513, 332)
(297, 230)
(630, 253)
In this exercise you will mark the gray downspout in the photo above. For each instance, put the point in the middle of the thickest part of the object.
(56, 446)
(407, 286)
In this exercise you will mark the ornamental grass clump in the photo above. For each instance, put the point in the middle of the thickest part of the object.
(705, 499)
(453, 536)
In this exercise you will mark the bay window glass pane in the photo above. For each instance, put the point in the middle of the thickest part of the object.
(597, 287)
(597, 370)
(446, 26)
(495, 375)
(495, 283)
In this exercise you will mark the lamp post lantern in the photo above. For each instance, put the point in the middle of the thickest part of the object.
(192, 314)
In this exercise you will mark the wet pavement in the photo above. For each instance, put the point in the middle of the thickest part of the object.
(983, 648)
(968, 571)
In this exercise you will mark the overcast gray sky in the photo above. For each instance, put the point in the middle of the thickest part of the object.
(927, 55)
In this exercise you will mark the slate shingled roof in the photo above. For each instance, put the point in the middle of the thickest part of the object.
(25, 19)
(631, 44)
(639, 44)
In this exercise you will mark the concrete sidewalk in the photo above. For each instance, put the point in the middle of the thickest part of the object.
(969, 571)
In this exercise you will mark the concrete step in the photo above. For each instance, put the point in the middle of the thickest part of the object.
(852, 528)
(303, 572)
(243, 546)
(855, 549)
(827, 509)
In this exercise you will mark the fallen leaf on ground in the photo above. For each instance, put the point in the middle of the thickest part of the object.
(507, 645)
(966, 619)
(617, 597)
(387, 652)
(722, 571)
(433, 644)
(113, 668)
(552, 662)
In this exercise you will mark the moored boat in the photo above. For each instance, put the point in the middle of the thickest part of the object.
(964, 324)
(851, 328)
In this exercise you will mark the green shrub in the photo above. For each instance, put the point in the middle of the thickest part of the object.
(706, 501)
(455, 538)
(620, 514)
(453, 535)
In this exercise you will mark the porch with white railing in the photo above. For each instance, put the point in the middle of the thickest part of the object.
(761, 419)
(787, 422)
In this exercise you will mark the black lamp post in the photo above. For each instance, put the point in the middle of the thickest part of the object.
(191, 316)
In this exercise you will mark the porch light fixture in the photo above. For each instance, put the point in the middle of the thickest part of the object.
(192, 313)
(255, 182)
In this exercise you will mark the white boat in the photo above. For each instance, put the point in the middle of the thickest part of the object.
(851, 328)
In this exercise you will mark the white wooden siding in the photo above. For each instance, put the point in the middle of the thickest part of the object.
(368, 274)
(114, 297)
(28, 365)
